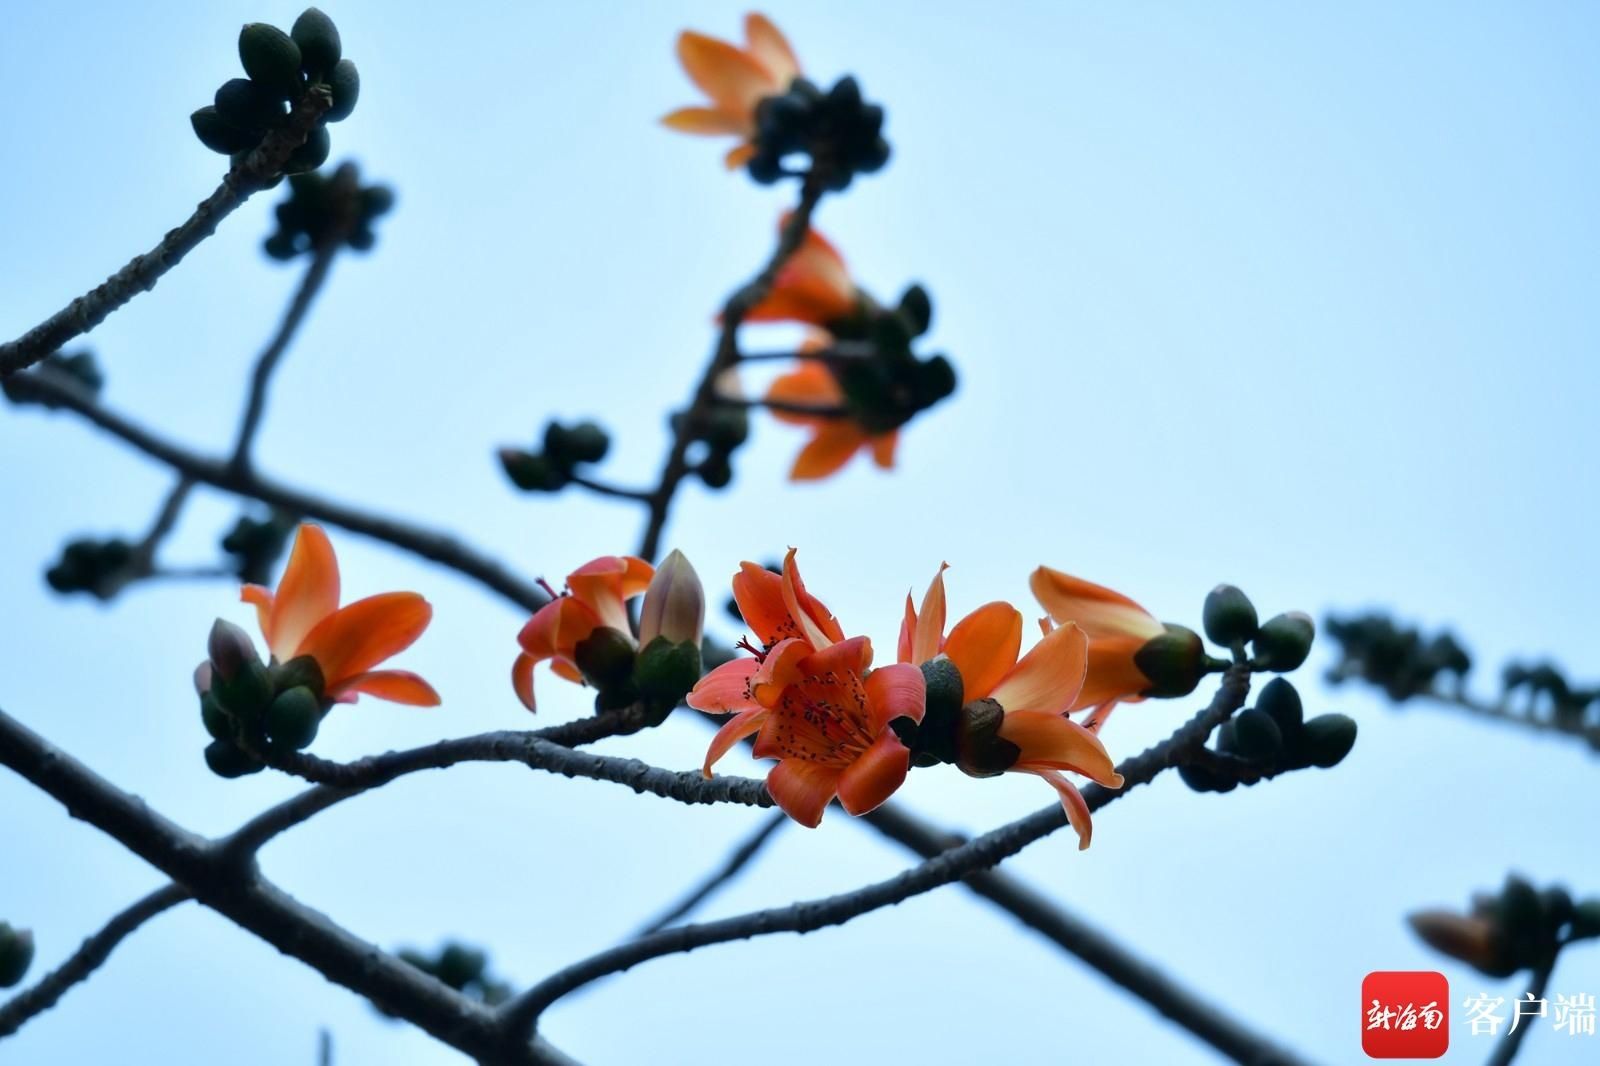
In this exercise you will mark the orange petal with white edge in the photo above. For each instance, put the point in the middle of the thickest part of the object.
(929, 639)
(725, 690)
(908, 630)
(803, 789)
(359, 636)
(1050, 676)
(1112, 674)
(396, 686)
(705, 122)
(1073, 803)
(1101, 612)
(984, 647)
(734, 81)
(261, 598)
(759, 595)
(733, 730)
(308, 593)
(827, 452)
(811, 384)
(883, 446)
(817, 623)
(522, 679)
(874, 775)
(1051, 742)
(897, 691)
(771, 49)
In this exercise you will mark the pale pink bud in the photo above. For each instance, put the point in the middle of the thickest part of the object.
(674, 604)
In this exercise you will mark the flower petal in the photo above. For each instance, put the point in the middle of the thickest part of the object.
(733, 80)
(1112, 674)
(827, 452)
(396, 686)
(771, 49)
(883, 446)
(705, 122)
(759, 594)
(874, 775)
(781, 668)
(360, 635)
(908, 629)
(803, 789)
(897, 691)
(308, 592)
(605, 584)
(1051, 742)
(811, 384)
(733, 730)
(739, 155)
(1099, 610)
(1050, 676)
(1071, 802)
(816, 622)
(522, 679)
(556, 628)
(725, 690)
(814, 286)
(984, 646)
(929, 639)
(261, 597)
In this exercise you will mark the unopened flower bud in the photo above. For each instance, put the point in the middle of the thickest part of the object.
(300, 671)
(531, 472)
(1257, 736)
(1586, 919)
(202, 678)
(16, 954)
(1174, 662)
(227, 759)
(666, 671)
(1280, 701)
(318, 39)
(1229, 616)
(1328, 739)
(981, 751)
(271, 58)
(1470, 939)
(229, 648)
(216, 720)
(1284, 641)
(675, 603)
(605, 657)
(292, 719)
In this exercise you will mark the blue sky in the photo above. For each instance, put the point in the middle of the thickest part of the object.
(1294, 296)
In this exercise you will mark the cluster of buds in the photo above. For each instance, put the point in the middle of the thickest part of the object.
(1568, 702)
(79, 369)
(254, 710)
(324, 211)
(96, 566)
(1519, 928)
(718, 432)
(16, 954)
(281, 68)
(840, 131)
(888, 385)
(587, 635)
(565, 449)
(1270, 738)
(461, 967)
(257, 543)
(1280, 644)
(1398, 659)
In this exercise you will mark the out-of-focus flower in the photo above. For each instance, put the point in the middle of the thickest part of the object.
(834, 438)
(990, 712)
(812, 700)
(592, 612)
(814, 287)
(735, 80)
(303, 619)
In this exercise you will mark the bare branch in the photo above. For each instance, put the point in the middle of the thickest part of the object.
(731, 867)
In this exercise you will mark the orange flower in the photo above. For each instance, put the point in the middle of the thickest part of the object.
(1116, 627)
(596, 596)
(834, 440)
(813, 700)
(1012, 712)
(813, 288)
(303, 618)
(736, 80)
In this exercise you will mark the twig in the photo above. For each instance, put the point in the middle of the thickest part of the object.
(731, 867)
(237, 891)
(1501, 713)
(249, 176)
(784, 406)
(521, 1014)
(600, 488)
(1511, 1043)
(726, 354)
(49, 989)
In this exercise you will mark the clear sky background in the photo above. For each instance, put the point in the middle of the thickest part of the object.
(1300, 297)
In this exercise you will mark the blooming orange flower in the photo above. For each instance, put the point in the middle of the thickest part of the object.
(813, 701)
(1116, 627)
(813, 288)
(1013, 711)
(303, 618)
(736, 80)
(597, 595)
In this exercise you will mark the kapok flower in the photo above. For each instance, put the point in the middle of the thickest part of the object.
(813, 288)
(595, 599)
(812, 700)
(990, 713)
(302, 618)
(1131, 654)
(736, 80)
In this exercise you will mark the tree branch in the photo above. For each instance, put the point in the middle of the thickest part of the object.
(249, 176)
(49, 989)
(731, 867)
(1511, 1043)
(521, 1014)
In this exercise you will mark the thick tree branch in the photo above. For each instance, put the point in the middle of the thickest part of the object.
(249, 176)
(522, 1013)
(49, 989)
(731, 867)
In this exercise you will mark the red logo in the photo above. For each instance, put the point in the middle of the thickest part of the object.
(1405, 1014)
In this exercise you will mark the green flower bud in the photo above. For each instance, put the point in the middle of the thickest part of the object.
(216, 720)
(584, 442)
(301, 671)
(1586, 919)
(229, 648)
(715, 471)
(376, 200)
(934, 739)
(202, 678)
(1282, 703)
(1558, 908)
(345, 86)
(1227, 738)
(981, 750)
(665, 672)
(917, 309)
(674, 604)
(318, 39)
(1174, 662)
(227, 759)
(16, 954)
(726, 428)
(1520, 910)
(1229, 616)
(247, 694)
(219, 135)
(531, 472)
(1328, 739)
(293, 718)
(606, 658)
(1284, 642)
(312, 154)
(1257, 736)
(271, 58)
(246, 105)
(459, 965)
(1203, 779)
